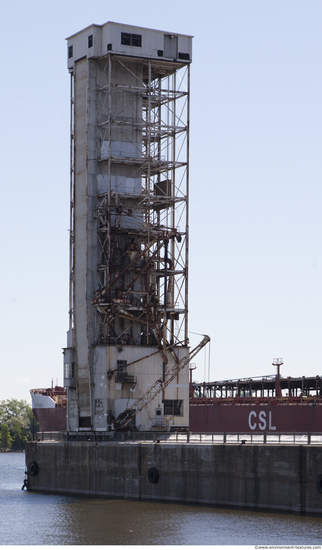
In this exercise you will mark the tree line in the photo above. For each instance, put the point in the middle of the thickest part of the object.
(17, 424)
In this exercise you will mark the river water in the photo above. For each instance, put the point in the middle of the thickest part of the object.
(37, 519)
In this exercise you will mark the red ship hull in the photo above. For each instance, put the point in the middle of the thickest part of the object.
(49, 408)
(247, 418)
(268, 404)
(51, 420)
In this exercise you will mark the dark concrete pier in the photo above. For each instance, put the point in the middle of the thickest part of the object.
(281, 478)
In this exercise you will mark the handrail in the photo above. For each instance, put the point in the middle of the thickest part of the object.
(213, 438)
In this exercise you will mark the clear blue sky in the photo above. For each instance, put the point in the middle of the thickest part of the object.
(255, 208)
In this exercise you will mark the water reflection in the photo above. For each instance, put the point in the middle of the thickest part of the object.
(30, 518)
(123, 522)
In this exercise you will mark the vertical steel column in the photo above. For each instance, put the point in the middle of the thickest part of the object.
(148, 186)
(149, 152)
(109, 164)
(72, 196)
(173, 195)
(187, 211)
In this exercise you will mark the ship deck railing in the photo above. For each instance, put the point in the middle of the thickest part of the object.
(213, 438)
(253, 400)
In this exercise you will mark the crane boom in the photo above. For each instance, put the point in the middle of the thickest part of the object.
(126, 416)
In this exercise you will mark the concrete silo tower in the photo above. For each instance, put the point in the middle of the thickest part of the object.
(128, 225)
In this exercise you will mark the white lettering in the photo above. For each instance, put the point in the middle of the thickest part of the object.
(252, 426)
(270, 421)
(262, 418)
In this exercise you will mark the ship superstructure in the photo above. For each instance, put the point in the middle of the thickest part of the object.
(128, 226)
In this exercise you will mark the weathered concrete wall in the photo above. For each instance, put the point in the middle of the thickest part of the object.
(274, 477)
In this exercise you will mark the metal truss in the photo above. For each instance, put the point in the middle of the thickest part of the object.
(142, 136)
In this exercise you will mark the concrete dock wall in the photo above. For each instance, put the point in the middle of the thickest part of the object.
(274, 477)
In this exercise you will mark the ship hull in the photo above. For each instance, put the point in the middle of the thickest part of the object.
(257, 419)
(209, 418)
(49, 408)
(51, 420)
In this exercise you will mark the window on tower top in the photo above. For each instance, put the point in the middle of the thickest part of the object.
(128, 39)
(125, 39)
(90, 41)
(136, 40)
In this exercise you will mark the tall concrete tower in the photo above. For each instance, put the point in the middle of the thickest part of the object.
(128, 225)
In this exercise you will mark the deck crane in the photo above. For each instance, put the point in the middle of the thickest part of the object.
(126, 416)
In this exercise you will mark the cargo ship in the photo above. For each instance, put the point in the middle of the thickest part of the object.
(49, 408)
(264, 404)
(270, 403)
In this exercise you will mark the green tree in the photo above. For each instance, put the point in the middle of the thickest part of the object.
(5, 439)
(18, 416)
(18, 439)
(13, 408)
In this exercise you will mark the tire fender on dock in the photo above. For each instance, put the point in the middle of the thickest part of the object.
(33, 468)
(153, 475)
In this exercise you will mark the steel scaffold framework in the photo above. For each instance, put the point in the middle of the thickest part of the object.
(142, 202)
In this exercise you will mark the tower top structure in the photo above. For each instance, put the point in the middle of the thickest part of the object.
(98, 40)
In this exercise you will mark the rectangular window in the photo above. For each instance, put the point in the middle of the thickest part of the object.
(125, 39)
(136, 40)
(90, 41)
(128, 39)
(69, 370)
(173, 407)
(70, 52)
(121, 366)
(66, 370)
